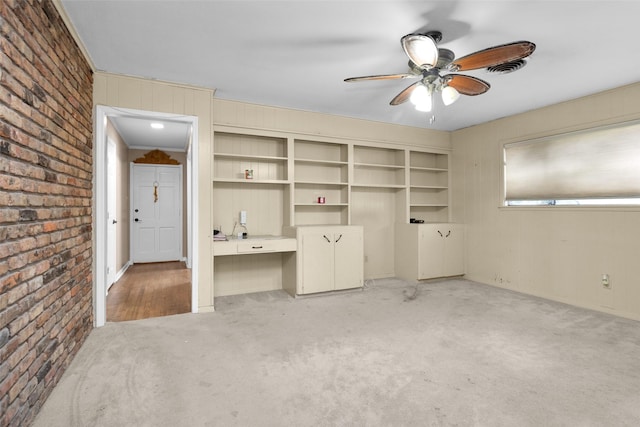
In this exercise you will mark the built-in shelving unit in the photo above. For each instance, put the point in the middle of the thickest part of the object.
(251, 173)
(321, 183)
(301, 181)
(378, 167)
(266, 158)
(429, 186)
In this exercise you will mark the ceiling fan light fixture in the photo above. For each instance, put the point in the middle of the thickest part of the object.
(449, 95)
(421, 98)
(421, 49)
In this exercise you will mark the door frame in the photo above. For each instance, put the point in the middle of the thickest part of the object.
(112, 215)
(102, 113)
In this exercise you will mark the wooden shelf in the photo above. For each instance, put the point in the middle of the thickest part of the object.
(251, 181)
(378, 185)
(248, 157)
(321, 162)
(429, 169)
(429, 187)
(377, 166)
(336, 184)
(321, 204)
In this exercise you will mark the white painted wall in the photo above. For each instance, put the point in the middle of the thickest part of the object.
(556, 253)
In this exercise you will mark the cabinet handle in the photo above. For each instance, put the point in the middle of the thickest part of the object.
(448, 234)
(326, 238)
(256, 247)
(338, 239)
(440, 233)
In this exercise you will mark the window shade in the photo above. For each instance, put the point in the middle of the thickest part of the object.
(599, 163)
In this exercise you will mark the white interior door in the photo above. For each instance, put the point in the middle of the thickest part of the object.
(156, 203)
(111, 212)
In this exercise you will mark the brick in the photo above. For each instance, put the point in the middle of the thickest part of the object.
(45, 204)
(9, 281)
(9, 314)
(16, 357)
(8, 382)
(18, 292)
(4, 337)
(18, 323)
(28, 215)
(18, 386)
(28, 390)
(43, 371)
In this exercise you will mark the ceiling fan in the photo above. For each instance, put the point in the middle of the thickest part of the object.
(427, 62)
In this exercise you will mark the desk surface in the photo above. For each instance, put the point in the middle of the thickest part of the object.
(254, 245)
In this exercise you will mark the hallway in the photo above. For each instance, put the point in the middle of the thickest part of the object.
(150, 290)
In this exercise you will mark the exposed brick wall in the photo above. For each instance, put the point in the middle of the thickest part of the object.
(45, 204)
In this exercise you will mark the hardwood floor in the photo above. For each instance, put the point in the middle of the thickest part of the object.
(150, 290)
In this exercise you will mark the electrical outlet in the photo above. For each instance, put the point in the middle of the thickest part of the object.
(606, 283)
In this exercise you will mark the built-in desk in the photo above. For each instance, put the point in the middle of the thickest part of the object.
(254, 245)
(254, 264)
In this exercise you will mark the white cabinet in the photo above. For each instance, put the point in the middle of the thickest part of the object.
(328, 258)
(426, 251)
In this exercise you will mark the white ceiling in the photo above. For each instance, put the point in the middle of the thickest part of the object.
(295, 54)
(138, 133)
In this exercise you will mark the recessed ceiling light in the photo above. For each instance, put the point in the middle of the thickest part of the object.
(157, 125)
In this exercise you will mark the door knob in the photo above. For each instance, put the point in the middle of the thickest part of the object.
(114, 222)
(136, 220)
(136, 210)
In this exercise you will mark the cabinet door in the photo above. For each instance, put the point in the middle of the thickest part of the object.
(317, 262)
(453, 260)
(430, 251)
(349, 259)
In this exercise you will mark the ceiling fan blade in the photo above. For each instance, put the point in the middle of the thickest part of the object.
(382, 77)
(467, 85)
(404, 95)
(494, 56)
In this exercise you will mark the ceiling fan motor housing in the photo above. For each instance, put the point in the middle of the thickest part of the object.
(435, 35)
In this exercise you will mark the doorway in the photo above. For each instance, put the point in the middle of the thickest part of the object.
(103, 115)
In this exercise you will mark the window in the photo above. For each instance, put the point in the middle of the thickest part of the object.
(599, 166)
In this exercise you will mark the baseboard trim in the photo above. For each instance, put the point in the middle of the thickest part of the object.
(120, 273)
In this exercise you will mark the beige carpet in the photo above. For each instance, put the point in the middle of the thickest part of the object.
(452, 353)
